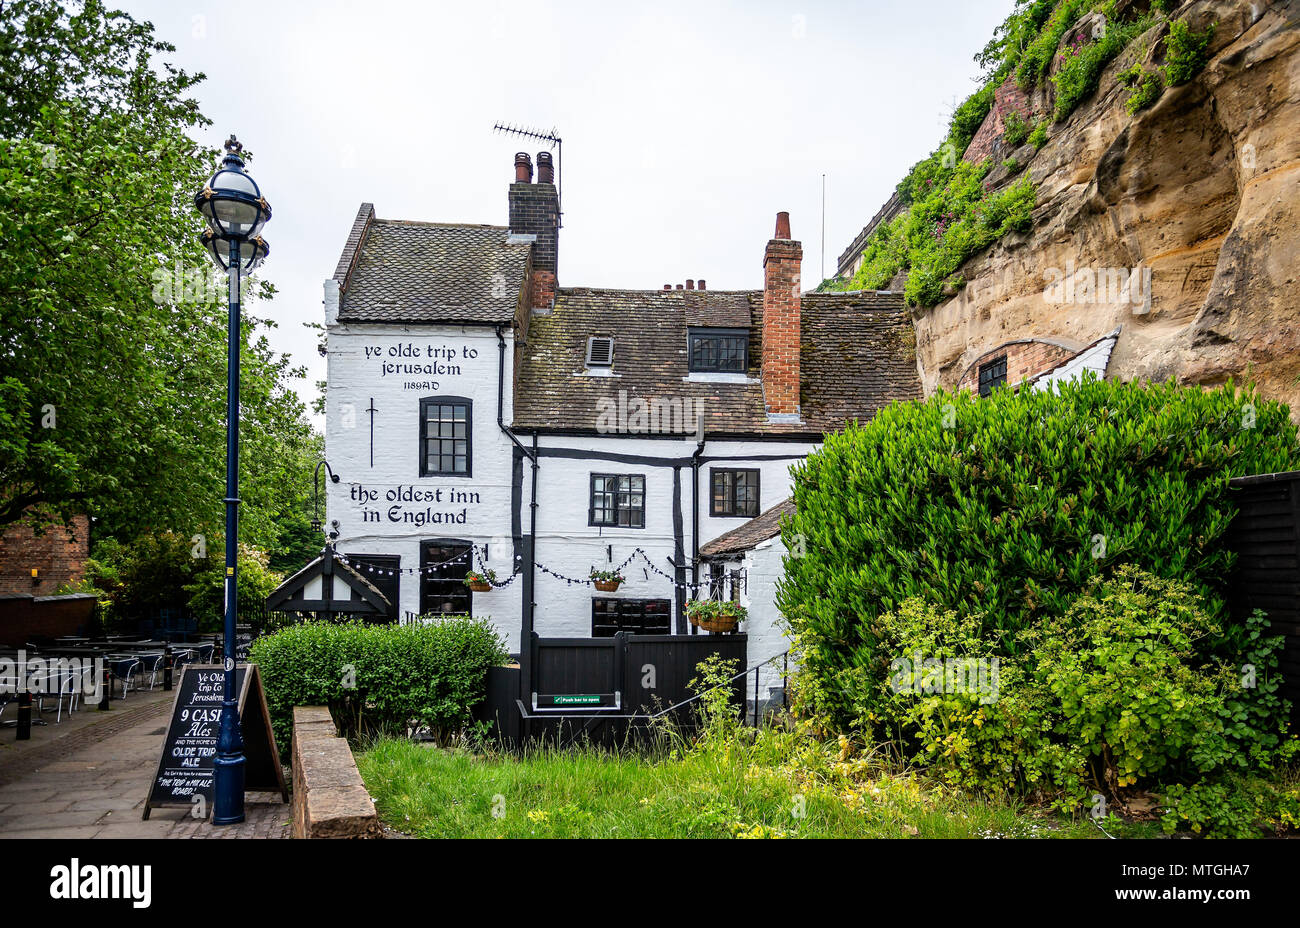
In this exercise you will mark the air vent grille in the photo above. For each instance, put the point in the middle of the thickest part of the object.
(600, 351)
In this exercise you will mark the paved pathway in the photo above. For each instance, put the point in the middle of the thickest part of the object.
(92, 783)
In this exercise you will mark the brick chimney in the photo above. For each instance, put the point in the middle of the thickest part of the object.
(535, 210)
(781, 263)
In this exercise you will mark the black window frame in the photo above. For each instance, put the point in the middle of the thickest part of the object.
(617, 492)
(992, 374)
(425, 403)
(730, 510)
(448, 582)
(609, 616)
(699, 333)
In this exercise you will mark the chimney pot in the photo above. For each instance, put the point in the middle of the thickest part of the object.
(545, 169)
(690, 285)
(668, 286)
(679, 287)
(699, 285)
(782, 225)
(523, 168)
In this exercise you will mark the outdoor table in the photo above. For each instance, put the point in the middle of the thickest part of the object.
(84, 651)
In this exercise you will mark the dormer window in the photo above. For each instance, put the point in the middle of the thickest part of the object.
(600, 351)
(722, 351)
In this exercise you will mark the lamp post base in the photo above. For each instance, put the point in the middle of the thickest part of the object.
(228, 770)
(228, 792)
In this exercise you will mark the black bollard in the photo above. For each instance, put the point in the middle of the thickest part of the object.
(24, 732)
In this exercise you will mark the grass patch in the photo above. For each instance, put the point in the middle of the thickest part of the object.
(783, 784)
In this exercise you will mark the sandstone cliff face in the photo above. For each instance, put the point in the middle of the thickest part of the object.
(1203, 189)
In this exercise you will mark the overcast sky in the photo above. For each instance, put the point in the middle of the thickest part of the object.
(686, 126)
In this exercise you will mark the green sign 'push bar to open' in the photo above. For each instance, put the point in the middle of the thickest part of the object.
(577, 700)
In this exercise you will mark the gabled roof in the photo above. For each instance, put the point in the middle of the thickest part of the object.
(424, 272)
(755, 531)
(858, 355)
(291, 595)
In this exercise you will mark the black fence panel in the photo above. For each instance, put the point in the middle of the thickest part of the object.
(1266, 537)
(661, 667)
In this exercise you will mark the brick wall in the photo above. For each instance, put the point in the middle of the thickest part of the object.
(535, 210)
(1024, 360)
(59, 555)
(781, 311)
(988, 140)
(542, 289)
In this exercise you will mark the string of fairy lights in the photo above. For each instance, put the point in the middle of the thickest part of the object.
(476, 555)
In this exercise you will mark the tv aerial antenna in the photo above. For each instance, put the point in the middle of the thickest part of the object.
(542, 136)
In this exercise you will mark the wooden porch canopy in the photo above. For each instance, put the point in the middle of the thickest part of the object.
(328, 586)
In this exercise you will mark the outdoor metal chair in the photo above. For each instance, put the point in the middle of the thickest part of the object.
(152, 665)
(180, 659)
(123, 667)
(62, 684)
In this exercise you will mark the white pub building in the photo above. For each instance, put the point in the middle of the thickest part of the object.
(481, 416)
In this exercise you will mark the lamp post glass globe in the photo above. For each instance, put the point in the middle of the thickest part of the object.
(231, 201)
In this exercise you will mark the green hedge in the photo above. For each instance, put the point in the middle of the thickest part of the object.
(379, 678)
(1007, 507)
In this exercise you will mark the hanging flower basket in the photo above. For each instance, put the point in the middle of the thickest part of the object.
(480, 582)
(713, 616)
(607, 581)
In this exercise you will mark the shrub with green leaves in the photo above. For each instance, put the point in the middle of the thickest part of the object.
(379, 678)
(952, 216)
(1080, 67)
(1254, 712)
(1147, 88)
(1015, 128)
(1122, 670)
(1234, 806)
(1186, 52)
(1035, 60)
(1111, 696)
(1008, 506)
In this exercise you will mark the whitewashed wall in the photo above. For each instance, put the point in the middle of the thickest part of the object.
(774, 480)
(569, 546)
(367, 502)
(375, 517)
(765, 627)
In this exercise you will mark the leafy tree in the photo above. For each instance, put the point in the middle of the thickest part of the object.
(112, 327)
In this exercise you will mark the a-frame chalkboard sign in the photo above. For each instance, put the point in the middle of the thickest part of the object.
(185, 769)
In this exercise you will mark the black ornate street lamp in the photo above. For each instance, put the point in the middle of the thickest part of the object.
(235, 211)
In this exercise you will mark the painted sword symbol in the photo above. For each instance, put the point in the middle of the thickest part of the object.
(371, 409)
